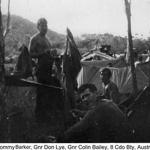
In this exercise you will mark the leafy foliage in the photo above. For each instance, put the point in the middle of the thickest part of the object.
(118, 43)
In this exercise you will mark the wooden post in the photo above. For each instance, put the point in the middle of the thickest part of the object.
(2, 70)
(3, 34)
(2, 73)
(130, 46)
(3, 88)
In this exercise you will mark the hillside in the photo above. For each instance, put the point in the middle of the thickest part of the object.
(19, 28)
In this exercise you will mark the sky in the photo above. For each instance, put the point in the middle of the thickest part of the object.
(85, 16)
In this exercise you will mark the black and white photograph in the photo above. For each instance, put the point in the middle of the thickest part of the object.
(75, 71)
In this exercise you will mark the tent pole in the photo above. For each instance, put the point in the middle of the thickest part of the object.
(130, 46)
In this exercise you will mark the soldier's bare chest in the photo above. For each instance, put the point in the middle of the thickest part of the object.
(43, 43)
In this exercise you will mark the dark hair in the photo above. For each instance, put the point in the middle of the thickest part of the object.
(89, 86)
(41, 21)
(106, 71)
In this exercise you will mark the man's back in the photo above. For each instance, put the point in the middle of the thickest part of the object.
(109, 122)
(111, 92)
(104, 123)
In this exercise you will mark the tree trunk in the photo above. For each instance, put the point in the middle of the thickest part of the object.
(2, 74)
(130, 47)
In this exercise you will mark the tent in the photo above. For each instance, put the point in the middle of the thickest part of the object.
(96, 55)
(121, 74)
(123, 79)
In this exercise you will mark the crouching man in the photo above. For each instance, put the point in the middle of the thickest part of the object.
(102, 122)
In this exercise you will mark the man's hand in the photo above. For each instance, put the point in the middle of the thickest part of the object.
(48, 51)
(54, 53)
(78, 113)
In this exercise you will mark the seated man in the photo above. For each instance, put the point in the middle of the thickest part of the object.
(102, 122)
(110, 90)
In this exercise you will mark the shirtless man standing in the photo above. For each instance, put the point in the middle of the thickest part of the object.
(39, 43)
(40, 50)
(39, 46)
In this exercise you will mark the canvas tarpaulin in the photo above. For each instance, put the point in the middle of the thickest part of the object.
(71, 68)
(89, 72)
(123, 79)
(120, 76)
(145, 67)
